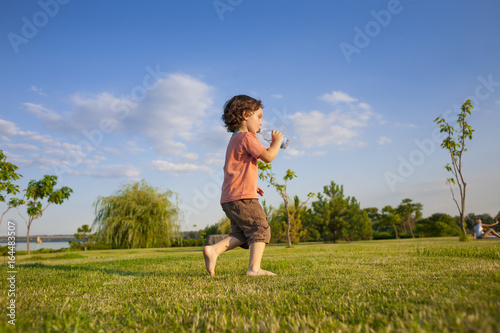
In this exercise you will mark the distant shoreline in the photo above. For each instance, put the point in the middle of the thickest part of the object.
(44, 238)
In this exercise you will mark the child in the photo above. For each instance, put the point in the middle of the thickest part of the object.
(249, 226)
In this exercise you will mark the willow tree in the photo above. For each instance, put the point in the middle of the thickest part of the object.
(137, 215)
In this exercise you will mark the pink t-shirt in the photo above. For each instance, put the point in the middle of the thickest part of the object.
(241, 171)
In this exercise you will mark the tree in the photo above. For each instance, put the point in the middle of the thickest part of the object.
(358, 224)
(456, 147)
(84, 236)
(409, 212)
(35, 193)
(223, 226)
(8, 175)
(296, 212)
(339, 217)
(438, 225)
(267, 175)
(137, 215)
(277, 226)
(389, 216)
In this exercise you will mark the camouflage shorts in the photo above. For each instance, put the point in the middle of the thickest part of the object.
(248, 221)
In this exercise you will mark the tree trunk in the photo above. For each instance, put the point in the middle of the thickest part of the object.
(395, 230)
(288, 225)
(28, 239)
(462, 213)
(411, 229)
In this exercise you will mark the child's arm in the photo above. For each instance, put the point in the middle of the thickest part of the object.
(270, 154)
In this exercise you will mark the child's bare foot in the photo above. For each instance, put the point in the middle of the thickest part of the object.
(260, 272)
(210, 259)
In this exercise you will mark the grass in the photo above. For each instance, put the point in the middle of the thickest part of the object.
(421, 285)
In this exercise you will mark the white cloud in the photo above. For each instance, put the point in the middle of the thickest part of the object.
(293, 152)
(190, 156)
(318, 129)
(129, 172)
(320, 153)
(8, 129)
(39, 91)
(215, 158)
(398, 124)
(172, 167)
(384, 140)
(102, 112)
(42, 112)
(20, 146)
(172, 114)
(277, 96)
(338, 127)
(338, 97)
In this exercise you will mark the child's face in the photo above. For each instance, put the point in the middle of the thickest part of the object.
(254, 121)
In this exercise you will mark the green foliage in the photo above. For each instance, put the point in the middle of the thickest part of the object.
(222, 227)
(409, 213)
(137, 215)
(464, 238)
(338, 217)
(293, 227)
(438, 225)
(44, 189)
(84, 237)
(382, 235)
(8, 174)
(35, 193)
(398, 222)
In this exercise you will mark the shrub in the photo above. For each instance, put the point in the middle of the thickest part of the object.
(382, 235)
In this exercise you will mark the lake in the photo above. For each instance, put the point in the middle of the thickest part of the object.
(34, 246)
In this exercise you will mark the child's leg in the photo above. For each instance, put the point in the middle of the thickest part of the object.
(491, 231)
(212, 252)
(256, 253)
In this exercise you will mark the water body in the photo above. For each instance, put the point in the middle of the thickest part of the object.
(34, 246)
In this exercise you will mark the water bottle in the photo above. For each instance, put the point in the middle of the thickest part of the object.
(267, 135)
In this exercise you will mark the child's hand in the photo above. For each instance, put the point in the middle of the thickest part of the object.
(260, 191)
(277, 136)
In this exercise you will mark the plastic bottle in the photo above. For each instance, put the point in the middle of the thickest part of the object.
(267, 135)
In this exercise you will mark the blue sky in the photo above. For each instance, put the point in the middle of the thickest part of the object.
(107, 93)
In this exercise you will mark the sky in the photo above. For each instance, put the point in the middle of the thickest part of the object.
(106, 93)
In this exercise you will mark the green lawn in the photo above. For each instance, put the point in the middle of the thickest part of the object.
(421, 285)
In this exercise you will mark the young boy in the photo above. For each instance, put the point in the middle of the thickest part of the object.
(249, 226)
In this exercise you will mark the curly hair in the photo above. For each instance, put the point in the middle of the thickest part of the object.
(236, 107)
